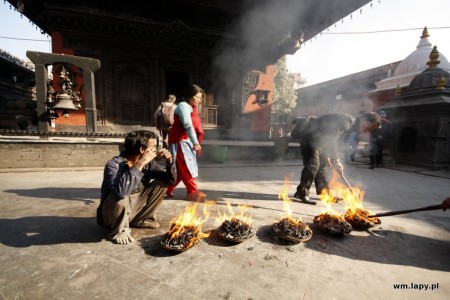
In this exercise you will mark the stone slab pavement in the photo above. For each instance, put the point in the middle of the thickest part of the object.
(52, 248)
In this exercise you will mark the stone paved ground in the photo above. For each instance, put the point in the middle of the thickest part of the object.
(51, 247)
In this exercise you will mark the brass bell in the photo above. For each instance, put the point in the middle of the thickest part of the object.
(64, 102)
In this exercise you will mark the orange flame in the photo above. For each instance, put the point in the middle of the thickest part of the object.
(188, 219)
(352, 197)
(231, 215)
(283, 195)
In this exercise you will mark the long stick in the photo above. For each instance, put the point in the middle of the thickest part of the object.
(349, 186)
(399, 212)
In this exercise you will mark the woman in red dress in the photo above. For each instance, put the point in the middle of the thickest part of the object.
(185, 138)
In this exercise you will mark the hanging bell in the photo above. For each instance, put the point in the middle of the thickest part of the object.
(49, 101)
(64, 102)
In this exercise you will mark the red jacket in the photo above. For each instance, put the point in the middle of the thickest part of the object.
(178, 132)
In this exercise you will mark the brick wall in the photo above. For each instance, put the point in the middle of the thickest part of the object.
(57, 154)
(39, 154)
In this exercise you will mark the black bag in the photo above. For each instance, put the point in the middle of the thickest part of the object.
(165, 116)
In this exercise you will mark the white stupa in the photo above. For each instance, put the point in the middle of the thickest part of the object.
(412, 65)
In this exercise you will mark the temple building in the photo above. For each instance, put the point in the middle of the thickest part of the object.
(416, 99)
(17, 93)
(411, 66)
(367, 90)
(149, 49)
(415, 94)
(420, 114)
(347, 94)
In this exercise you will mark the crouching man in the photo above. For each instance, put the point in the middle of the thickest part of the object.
(133, 186)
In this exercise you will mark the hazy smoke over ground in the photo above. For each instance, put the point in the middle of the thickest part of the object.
(260, 33)
(267, 30)
(258, 38)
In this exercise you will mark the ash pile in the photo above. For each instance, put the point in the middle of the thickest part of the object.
(187, 238)
(332, 224)
(235, 230)
(291, 230)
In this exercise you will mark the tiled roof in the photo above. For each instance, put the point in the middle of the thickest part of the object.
(8, 56)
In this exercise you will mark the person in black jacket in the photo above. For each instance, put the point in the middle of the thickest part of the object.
(378, 140)
(319, 150)
(134, 185)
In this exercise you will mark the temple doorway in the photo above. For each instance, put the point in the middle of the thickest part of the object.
(175, 83)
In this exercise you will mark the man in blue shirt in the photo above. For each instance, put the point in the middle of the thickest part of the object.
(134, 185)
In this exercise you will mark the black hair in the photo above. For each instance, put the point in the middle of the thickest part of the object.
(372, 117)
(136, 139)
(191, 91)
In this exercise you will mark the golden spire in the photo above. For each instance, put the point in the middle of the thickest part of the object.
(434, 55)
(425, 33)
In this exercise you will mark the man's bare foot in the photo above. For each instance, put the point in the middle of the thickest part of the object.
(123, 238)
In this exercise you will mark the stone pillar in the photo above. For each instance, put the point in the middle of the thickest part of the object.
(90, 106)
(41, 61)
(41, 74)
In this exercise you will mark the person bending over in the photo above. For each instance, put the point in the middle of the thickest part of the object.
(319, 150)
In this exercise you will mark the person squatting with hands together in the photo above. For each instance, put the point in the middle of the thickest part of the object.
(133, 186)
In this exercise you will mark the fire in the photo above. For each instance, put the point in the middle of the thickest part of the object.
(329, 220)
(288, 228)
(352, 197)
(231, 215)
(186, 229)
(235, 227)
(355, 213)
(283, 195)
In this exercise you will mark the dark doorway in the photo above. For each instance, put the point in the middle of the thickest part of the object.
(176, 82)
